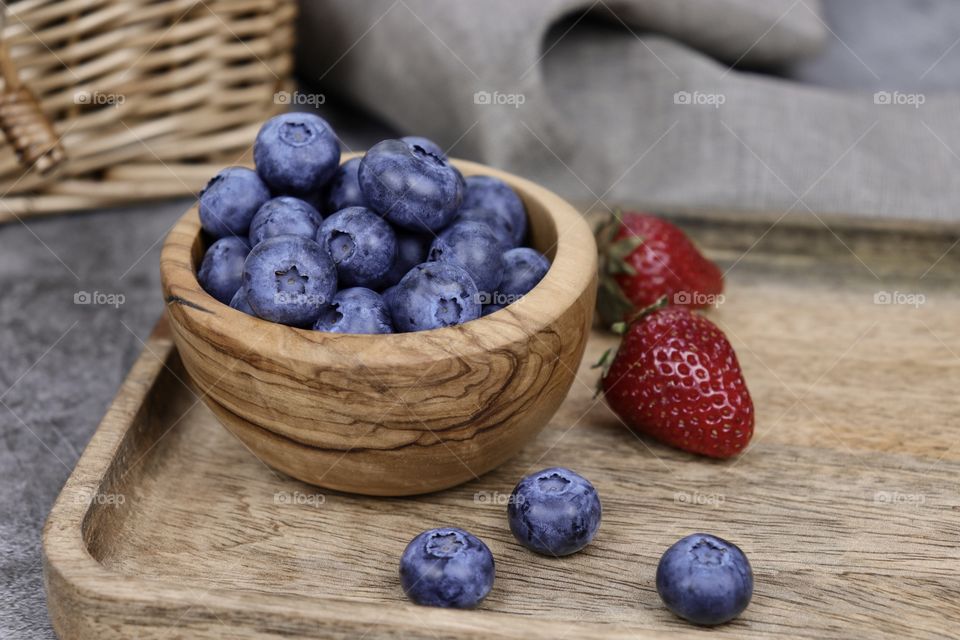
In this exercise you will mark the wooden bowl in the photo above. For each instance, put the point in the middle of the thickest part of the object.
(391, 414)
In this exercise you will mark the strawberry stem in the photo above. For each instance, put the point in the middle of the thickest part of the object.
(659, 304)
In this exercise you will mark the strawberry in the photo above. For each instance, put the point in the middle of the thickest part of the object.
(643, 258)
(675, 377)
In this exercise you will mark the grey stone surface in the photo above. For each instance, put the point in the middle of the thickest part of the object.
(61, 363)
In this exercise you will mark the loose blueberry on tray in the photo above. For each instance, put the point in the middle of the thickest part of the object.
(555, 512)
(447, 567)
(705, 579)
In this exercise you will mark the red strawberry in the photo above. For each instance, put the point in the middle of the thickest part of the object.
(675, 377)
(644, 258)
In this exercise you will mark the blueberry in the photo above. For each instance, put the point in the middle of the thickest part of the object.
(284, 216)
(447, 568)
(433, 295)
(499, 223)
(344, 188)
(229, 201)
(409, 186)
(412, 249)
(523, 268)
(356, 310)
(426, 144)
(221, 271)
(361, 243)
(240, 302)
(489, 308)
(487, 192)
(296, 153)
(554, 512)
(474, 247)
(705, 579)
(387, 296)
(289, 279)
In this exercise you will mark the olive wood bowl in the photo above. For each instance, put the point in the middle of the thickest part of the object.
(396, 414)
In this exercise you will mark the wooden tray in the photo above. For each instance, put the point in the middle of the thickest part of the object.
(846, 503)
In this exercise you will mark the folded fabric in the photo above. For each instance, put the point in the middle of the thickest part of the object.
(637, 105)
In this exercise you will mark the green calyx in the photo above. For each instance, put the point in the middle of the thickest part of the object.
(620, 328)
(612, 305)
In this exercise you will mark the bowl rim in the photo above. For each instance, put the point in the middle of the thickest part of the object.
(572, 272)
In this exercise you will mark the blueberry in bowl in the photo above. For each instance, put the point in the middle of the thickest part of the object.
(282, 216)
(221, 272)
(230, 200)
(288, 279)
(410, 186)
(473, 247)
(317, 396)
(296, 153)
(361, 243)
(356, 310)
(434, 295)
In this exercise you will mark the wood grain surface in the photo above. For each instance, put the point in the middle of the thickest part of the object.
(845, 503)
(369, 413)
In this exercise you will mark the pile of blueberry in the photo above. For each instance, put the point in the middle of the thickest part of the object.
(404, 242)
(556, 512)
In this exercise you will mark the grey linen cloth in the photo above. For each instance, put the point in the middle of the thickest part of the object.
(638, 105)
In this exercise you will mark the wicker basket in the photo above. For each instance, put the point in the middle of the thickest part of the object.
(147, 98)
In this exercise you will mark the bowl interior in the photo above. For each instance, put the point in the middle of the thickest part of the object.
(554, 229)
